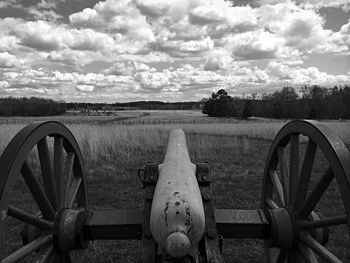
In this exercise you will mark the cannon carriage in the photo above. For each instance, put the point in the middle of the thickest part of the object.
(178, 221)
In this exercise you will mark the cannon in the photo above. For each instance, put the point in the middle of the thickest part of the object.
(178, 221)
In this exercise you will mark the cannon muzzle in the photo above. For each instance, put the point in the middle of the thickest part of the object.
(177, 215)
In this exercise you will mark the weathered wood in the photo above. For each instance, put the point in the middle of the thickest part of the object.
(115, 224)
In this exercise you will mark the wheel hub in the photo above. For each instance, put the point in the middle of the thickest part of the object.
(283, 228)
(68, 230)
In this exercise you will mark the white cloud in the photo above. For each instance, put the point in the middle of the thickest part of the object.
(149, 57)
(153, 80)
(8, 43)
(180, 48)
(153, 8)
(160, 49)
(48, 4)
(213, 12)
(9, 61)
(317, 4)
(3, 84)
(68, 57)
(221, 18)
(39, 35)
(280, 72)
(11, 75)
(338, 42)
(302, 29)
(86, 18)
(197, 46)
(10, 3)
(87, 88)
(7, 24)
(299, 27)
(125, 68)
(258, 45)
(48, 15)
(311, 4)
(218, 59)
(87, 39)
(120, 16)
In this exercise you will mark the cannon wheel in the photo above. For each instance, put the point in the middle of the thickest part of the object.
(59, 192)
(289, 200)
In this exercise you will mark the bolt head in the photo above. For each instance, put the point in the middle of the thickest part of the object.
(206, 196)
(211, 232)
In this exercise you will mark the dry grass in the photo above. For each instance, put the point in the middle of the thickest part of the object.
(236, 154)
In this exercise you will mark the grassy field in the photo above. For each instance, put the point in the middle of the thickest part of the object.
(115, 147)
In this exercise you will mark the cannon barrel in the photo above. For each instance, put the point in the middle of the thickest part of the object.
(177, 216)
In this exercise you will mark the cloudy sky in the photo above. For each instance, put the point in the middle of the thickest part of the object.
(170, 50)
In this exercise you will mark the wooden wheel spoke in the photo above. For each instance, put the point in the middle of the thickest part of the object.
(324, 222)
(270, 203)
(272, 253)
(278, 186)
(58, 166)
(47, 256)
(293, 168)
(74, 256)
(305, 173)
(63, 258)
(67, 258)
(307, 254)
(298, 257)
(46, 169)
(316, 194)
(29, 218)
(68, 173)
(28, 249)
(282, 160)
(73, 191)
(316, 247)
(37, 192)
(282, 256)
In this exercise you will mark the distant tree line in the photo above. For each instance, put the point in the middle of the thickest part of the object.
(45, 107)
(30, 107)
(312, 102)
(137, 105)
